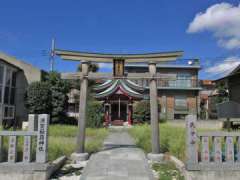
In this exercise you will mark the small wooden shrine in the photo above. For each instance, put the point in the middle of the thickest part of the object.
(118, 96)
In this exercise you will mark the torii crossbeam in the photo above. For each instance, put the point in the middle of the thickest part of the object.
(118, 61)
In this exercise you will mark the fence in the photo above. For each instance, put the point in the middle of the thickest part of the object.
(211, 150)
(39, 135)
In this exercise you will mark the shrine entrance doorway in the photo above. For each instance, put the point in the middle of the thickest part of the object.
(119, 111)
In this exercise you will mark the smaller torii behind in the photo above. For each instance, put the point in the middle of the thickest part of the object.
(118, 61)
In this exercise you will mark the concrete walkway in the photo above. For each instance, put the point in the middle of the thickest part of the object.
(120, 160)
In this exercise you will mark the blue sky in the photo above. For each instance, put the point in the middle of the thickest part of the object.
(126, 26)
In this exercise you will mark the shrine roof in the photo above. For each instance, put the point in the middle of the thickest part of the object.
(125, 87)
(130, 58)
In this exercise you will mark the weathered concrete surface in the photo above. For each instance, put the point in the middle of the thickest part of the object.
(119, 160)
(213, 175)
(30, 171)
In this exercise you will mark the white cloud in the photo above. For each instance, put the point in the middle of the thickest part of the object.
(223, 20)
(225, 67)
(105, 65)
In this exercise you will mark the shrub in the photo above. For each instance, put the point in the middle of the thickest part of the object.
(141, 111)
(38, 98)
(94, 114)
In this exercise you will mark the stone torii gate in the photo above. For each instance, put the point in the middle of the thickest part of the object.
(118, 61)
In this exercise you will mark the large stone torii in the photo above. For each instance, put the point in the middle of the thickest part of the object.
(118, 60)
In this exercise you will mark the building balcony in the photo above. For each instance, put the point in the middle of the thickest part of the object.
(178, 83)
(172, 83)
(181, 109)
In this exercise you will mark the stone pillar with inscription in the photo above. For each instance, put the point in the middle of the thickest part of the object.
(217, 149)
(12, 149)
(42, 138)
(27, 145)
(205, 155)
(32, 122)
(191, 140)
(229, 149)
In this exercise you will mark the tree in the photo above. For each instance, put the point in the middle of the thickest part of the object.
(93, 67)
(59, 98)
(223, 94)
(38, 98)
(49, 96)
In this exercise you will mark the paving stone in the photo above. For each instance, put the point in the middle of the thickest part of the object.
(120, 160)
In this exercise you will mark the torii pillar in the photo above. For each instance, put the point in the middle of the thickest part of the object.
(154, 109)
(80, 154)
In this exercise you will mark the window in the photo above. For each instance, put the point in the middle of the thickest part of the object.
(1, 74)
(9, 92)
(1, 82)
(180, 102)
(8, 112)
(184, 80)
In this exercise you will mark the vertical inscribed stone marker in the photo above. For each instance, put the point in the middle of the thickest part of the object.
(32, 122)
(12, 149)
(217, 149)
(42, 138)
(27, 149)
(205, 149)
(191, 143)
(229, 149)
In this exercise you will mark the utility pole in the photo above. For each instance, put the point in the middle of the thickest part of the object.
(52, 53)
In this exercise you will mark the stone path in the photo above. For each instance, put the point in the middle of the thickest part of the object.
(120, 160)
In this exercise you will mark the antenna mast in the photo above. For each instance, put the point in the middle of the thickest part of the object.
(52, 53)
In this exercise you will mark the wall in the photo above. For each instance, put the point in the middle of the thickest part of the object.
(26, 74)
(21, 86)
(234, 87)
(31, 73)
(166, 101)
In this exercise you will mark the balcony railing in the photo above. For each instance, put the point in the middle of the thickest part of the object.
(171, 83)
(181, 109)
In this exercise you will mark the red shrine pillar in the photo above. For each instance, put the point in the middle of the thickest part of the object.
(106, 115)
(130, 114)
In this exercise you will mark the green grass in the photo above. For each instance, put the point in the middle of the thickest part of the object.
(172, 138)
(167, 171)
(62, 141)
